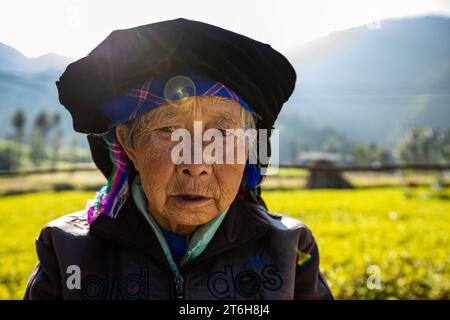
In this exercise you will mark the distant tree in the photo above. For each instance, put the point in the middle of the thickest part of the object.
(18, 120)
(369, 154)
(7, 149)
(445, 143)
(73, 148)
(425, 145)
(57, 138)
(359, 154)
(41, 127)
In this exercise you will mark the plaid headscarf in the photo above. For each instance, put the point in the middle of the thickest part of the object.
(133, 104)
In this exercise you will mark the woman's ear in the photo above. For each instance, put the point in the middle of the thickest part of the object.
(122, 136)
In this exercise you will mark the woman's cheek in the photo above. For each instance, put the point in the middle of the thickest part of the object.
(156, 167)
(229, 178)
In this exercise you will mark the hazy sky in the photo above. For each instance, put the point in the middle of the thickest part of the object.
(74, 27)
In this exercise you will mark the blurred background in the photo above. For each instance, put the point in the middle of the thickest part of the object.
(364, 139)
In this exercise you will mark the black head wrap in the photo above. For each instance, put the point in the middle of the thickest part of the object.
(262, 76)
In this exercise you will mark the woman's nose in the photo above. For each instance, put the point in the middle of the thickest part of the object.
(194, 170)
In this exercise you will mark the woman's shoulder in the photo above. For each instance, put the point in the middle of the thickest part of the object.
(283, 223)
(68, 227)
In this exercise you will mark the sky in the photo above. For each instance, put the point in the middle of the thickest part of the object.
(74, 27)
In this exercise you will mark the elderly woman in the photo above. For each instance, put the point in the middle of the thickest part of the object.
(165, 228)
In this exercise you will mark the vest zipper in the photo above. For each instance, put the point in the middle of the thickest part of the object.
(179, 286)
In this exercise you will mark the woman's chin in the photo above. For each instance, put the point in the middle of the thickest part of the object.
(193, 214)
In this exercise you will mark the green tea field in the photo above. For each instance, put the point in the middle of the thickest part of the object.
(401, 236)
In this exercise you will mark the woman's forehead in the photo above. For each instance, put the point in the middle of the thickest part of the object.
(200, 107)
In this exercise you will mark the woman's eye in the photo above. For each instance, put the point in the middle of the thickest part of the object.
(167, 129)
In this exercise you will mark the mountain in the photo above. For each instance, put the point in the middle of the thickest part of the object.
(29, 84)
(359, 85)
(371, 85)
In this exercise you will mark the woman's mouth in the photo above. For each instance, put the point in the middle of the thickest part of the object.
(191, 199)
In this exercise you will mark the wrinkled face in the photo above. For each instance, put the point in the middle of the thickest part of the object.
(183, 196)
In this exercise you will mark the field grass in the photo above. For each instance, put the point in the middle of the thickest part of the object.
(21, 218)
(57, 181)
(403, 232)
